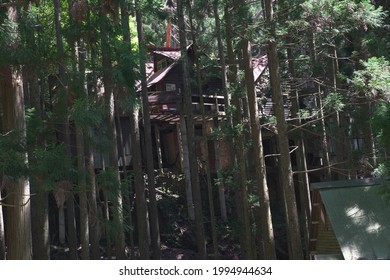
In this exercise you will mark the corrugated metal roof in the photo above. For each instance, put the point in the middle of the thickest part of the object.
(159, 75)
(359, 216)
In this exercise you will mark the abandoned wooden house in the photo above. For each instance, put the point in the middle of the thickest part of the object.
(165, 85)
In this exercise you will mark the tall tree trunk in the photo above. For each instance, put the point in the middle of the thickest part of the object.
(365, 103)
(218, 168)
(206, 157)
(128, 197)
(81, 166)
(324, 137)
(62, 108)
(139, 183)
(2, 232)
(200, 236)
(61, 225)
(18, 221)
(241, 175)
(265, 224)
(107, 217)
(158, 147)
(111, 131)
(185, 162)
(154, 224)
(339, 139)
(221, 56)
(71, 224)
(40, 216)
(92, 191)
(303, 176)
(292, 221)
(299, 137)
(82, 184)
(76, 45)
(39, 201)
(139, 188)
(94, 217)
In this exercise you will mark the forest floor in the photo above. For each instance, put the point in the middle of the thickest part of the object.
(177, 233)
(227, 252)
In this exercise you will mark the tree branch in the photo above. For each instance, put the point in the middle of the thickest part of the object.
(6, 5)
(317, 169)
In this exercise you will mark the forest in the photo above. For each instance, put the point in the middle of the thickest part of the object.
(179, 129)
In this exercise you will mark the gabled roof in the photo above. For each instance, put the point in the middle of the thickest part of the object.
(359, 216)
(259, 65)
(159, 75)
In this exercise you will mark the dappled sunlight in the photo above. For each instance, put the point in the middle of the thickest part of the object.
(373, 228)
(356, 213)
(360, 221)
(360, 217)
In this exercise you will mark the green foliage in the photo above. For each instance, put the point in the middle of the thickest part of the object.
(382, 170)
(126, 73)
(9, 38)
(374, 79)
(154, 16)
(227, 177)
(343, 15)
(217, 134)
(35, 129)
(269, 120)
(108, 181)
(303, 113)
(53, 163)
(239, 129)
(125, 185)
(87, 113)
(334, 101)
(380, 122)
(13, 157)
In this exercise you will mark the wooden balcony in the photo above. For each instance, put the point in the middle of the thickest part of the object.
(165, 106)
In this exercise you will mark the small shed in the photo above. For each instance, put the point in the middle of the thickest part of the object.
(351, 219)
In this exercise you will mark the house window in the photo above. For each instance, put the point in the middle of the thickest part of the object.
(170, 87)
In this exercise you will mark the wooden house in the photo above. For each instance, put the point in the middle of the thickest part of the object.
(165, 86)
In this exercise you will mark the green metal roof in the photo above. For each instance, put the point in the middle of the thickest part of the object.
(359, 215)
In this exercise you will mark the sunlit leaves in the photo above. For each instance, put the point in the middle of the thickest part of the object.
(334, 101)
(342, 16)
(374, 79)
(383, 170)
(380, 122)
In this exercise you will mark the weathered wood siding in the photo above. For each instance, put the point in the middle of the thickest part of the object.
(322, 237)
